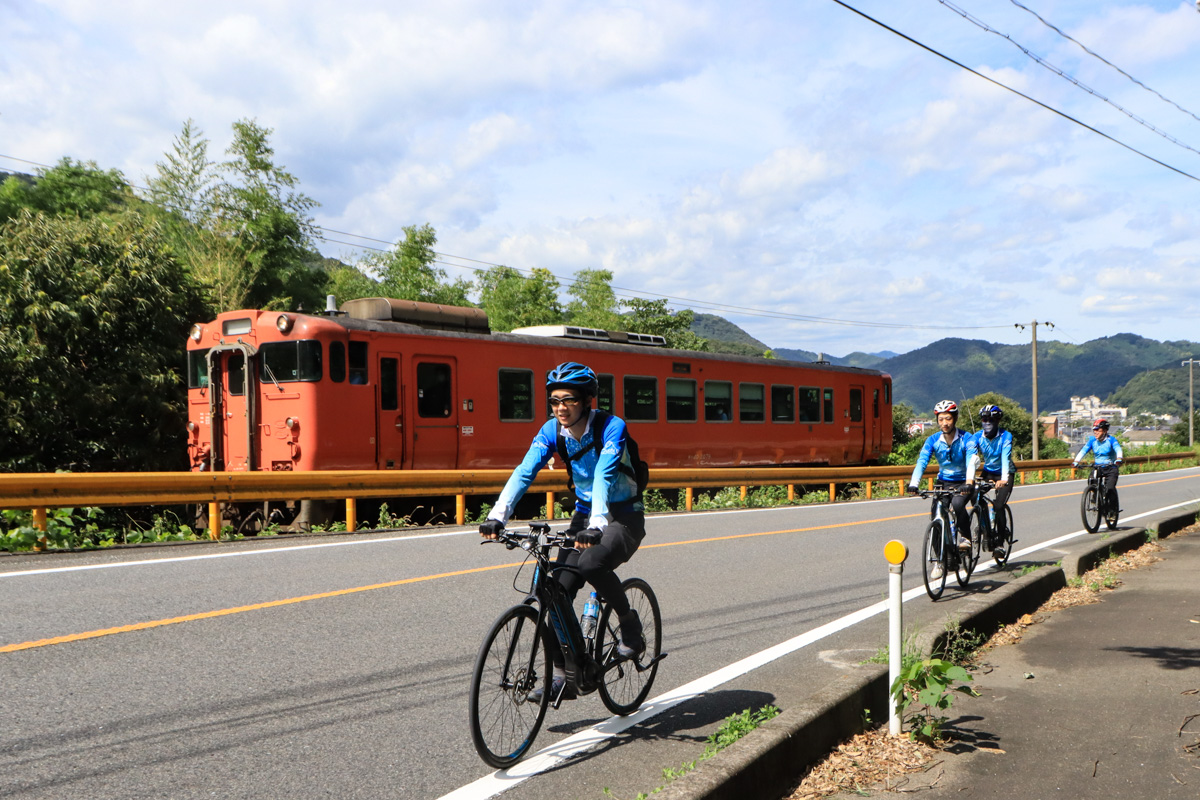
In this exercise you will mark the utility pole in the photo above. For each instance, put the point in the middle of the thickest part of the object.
(1036, 422)
(1191, 403)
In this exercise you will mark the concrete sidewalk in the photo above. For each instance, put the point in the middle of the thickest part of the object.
(1091, 702)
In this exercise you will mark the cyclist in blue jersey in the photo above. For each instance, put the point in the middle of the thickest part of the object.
(949, 447)
(609, 522)
(1106, 454)
(990, 451)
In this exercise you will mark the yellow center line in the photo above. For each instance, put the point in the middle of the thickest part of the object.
(141, 626)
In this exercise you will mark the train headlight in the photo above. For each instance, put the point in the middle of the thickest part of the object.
(292, 424)
(191, 426)
(196, 333)
(284, 323)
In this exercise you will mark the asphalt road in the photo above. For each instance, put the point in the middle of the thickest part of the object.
(339, 666)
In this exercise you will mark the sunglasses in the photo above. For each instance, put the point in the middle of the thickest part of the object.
(555, 402)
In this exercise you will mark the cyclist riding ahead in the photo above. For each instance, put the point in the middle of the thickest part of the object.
(609, 520)
(991, 449)
(949, 447)
(1106, 455)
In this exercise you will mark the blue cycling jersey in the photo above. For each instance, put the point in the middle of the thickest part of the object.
(995, 454)
(600, 483)
(1104, 454)
(951, 458)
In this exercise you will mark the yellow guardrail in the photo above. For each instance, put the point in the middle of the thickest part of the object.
(40, 491)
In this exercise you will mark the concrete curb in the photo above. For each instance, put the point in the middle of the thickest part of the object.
(768, 762)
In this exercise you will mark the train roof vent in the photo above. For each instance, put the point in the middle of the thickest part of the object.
(593, 334)
(425, 315)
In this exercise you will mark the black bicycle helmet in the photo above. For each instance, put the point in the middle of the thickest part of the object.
(570, 375)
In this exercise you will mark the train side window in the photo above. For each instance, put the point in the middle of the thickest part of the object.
(856, 408)
(337, 362)
(198, 369)
(641, 399)
(783, 405)
(516, 395)
(751, 402)
(286, 362)
(435, 395)
(358, 363)
(887, 393)
(389, 385)
(604, 400)
(809, 404)
(237, 374)
(718, 401)
(828, 398)
(681, 400)
(875, 404)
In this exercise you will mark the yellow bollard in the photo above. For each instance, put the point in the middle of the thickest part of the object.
(687, 498)
(351, 515)
(214, 521)
(460, 509)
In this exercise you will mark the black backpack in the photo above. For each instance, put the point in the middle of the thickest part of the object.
(640, 471)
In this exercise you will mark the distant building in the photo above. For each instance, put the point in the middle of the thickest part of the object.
(1091, 406)
(1143, 437)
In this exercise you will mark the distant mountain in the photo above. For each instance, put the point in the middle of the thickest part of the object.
(726, 337)
(958, 368)
(719, 330)
(1158, 391)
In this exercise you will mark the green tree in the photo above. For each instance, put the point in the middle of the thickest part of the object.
(594, 303)
(902, 416)
(652, 317)
(241, 226)
(70, 188)
(93, 316)
(512, 300)
(1178, 435)
(408, 270)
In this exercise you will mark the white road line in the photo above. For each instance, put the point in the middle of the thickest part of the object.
(549, 757)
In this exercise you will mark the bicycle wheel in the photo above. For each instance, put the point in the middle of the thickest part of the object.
(512, 662)
(967, 559)
(1089, 508)
(933, 562)
(626, 683)
(1112, 510)
(1002, 552)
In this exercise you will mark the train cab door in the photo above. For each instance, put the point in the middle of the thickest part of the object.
(856, 429)
(389, 416)
(433, 407)
(232, 408)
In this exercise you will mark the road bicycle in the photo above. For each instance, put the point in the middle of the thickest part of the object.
(940, 553)
(983, 524)
(1097, 504)
(515, 659)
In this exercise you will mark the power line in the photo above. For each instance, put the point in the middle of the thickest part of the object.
(1102, 58)
(1051, 109)
(1044, 63)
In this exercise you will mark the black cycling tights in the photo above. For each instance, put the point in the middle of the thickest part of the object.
(618, 542)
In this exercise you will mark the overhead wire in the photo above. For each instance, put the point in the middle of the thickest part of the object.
(1096, 55)
(1062, 74)
(1008, 88)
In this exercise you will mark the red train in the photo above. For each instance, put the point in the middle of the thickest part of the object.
(392, 384)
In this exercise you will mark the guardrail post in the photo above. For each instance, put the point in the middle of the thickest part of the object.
(1022, 474)
(832, 492)
(743, 494)
(687, 498)
(214, 521)
(39, 523)
(460, 509)
(791, 492)
(931, 482)
(351, 515)
(895, 552)
(549, 505)
(868, 490)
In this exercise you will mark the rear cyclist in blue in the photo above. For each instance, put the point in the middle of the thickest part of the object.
(609, 522)
(1107, 455)
(990, 450)
(949, 447)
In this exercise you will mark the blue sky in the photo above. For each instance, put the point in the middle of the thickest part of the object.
(788, 157)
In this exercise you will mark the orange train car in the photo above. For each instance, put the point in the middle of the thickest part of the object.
(392, 384)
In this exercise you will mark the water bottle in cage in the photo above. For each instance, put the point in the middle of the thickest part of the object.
(591, 611)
